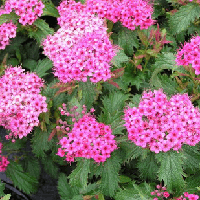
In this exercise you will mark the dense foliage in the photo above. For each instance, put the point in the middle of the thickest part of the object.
(107, 93)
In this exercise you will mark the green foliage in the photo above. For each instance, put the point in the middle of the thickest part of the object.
(113, 106)
(32, 167)
(6, 197)
(79, 176)
(22, 180)
(191, 157)
(30, 64)
(19, 144)
(42, 31)
(137, 192)
(130, 150)
(40, 142)
(192, 182)
(65, 191)
(8, 17)
(2, 188)
(110, 176)
(50, 167)
(148, 167)
(88, 93)
(171, 171)
(182, 19)
(127, 39)
(43, 66)
(50, 10)
(120, 58)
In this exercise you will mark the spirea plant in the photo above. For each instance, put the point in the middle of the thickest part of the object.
(107, 95)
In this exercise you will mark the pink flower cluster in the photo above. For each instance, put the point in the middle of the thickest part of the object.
(7, 31)
(3, 160)
(131, 13)
(20, 101)
(81, 47)
(161, 124)
(87, 139)
(160, 193)
(189, 54)
(28, 10)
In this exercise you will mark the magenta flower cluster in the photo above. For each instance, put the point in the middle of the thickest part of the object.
(131, 13)
(189, 54)
(161, 124)
(161, 192)
(87, 138)
(20, 101)
(81, 47)
(7, 31)
(28, 10)
(3, 160)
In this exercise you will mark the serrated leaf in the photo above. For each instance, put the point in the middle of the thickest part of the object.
(191, 157)
(181, 20)
(42, 32)
(43, 66)
(113, 111)
(164, 61)
(88, 93)
(40, 142)
(2, 188)
(79, 176)
(193, 181)
(109, 178)
(22, 180)
(8, 17)
(171, 171)
(120, 58)
(14, 146)
(30, 64)
(50, 10)
(65, 191)
(50, 167)
(130, 150)
(138, 192)
(127, 39)
(32, 166)
(148, 167)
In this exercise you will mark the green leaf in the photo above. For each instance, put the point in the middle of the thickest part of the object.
(130, 150)
(19, 144)
(30, 64)
(79, 175)
(50, 167)
(65, 191)
(50, 10)
(88, 93)
(2, 188)
(113, 111)
(32, 166)
(181, 20)
(171, 171)
(164, 61)
(148, 167)
(42, 32)
(127, 39)
(40, 142)
(22, 180)
(124, 179)
(7, 197)
(120, 58)
(8, 17)
(191, 157)
(43, 66)
(192, 182)
(138, 192)
(110, 176)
